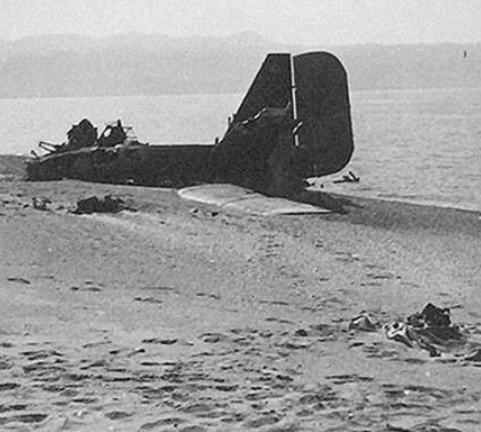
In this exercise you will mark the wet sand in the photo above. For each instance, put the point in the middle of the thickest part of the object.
(181, 317)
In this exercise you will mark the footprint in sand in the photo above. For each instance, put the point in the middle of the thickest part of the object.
(43, 369)
(264, 420)
(86, 288)
(15, 407)
(95, 364)
(348, 379)
(151, 300)
(374, 267)
(23, 418)
(420, 398)
(376, 279)
(385, 275)
(280, 320)
(214, 337)
(370, 284)
(169, 421)
(226, 387)
(234, 418)
(274, 302)
(199, 409)
(293, 345)
(160, 341)
(117, 415)
(41, 354)
(19, 280)
(269, 246)
(213, 296)
(85, 400)
(159, 288)
(8, 386)
(345, 256)
(312, 399)
(193, 428)
(420, 427)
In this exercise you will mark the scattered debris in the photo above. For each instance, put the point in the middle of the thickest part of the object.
(430, 329)
(476, 357)
(41, 203)
(97, 205)
(350, 178)
(363, 322)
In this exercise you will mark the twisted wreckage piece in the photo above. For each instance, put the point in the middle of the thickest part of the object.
(430, 330)
(293, 123)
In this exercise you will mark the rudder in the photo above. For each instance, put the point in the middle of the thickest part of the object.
(325, 138)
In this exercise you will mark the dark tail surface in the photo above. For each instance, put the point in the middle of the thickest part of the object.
(272, 87)
(322, 100)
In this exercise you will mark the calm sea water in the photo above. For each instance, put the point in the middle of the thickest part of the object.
(419, 145)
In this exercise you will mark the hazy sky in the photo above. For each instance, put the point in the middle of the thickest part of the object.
(291, 21)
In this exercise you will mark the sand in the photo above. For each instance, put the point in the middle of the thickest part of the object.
(181, 317)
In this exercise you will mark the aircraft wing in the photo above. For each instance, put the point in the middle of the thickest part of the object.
(238, 198)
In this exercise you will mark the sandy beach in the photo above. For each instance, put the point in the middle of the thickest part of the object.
(176, 316)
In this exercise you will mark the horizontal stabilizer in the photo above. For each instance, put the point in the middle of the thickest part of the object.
(232, 197)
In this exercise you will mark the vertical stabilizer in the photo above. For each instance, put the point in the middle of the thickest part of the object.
(325, 138)
(271, 87)
(306, 94)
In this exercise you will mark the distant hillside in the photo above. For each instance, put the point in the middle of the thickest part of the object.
(134, 64)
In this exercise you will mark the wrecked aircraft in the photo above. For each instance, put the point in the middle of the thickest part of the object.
(293, 123)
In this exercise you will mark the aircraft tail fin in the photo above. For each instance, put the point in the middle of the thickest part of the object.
(325, 137)
(313, 86)
(272, 87)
